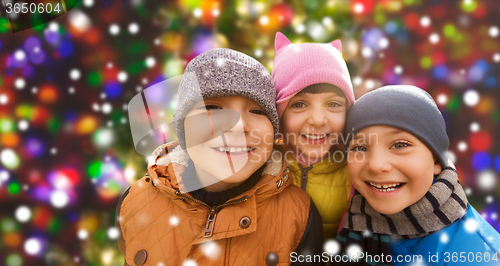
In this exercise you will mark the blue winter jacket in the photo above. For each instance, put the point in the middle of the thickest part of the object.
(468, 241)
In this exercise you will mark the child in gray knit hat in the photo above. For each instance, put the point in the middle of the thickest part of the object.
(221, 194)
(409, 206)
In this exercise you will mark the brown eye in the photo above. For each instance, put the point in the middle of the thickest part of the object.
(333, 104)
(400, 145)
(210, 107)
(298, 105)
(258, 112)
(359, 149)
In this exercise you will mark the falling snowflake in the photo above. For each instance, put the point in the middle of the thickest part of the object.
(444, 238)
(354, 251)
(210, 249)
(174, 220)
(220, 62)
(189, 263)
(332, 247)
(470, 225)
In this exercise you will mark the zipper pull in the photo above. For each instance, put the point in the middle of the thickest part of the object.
(209, 228)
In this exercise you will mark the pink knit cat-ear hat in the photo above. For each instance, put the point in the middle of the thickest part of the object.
(297, 66)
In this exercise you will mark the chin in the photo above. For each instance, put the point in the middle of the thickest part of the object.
(387, 211)
(316, 154)
(238, 177)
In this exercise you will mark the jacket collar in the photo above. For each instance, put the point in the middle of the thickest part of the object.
(168, 163)
(333, 162)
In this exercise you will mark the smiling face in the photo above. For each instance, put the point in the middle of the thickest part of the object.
(230, 158)
(312, 122)
(391, 168)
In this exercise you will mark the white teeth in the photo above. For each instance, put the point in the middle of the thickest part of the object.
(386, 187)
(314, 137)
(233, 149)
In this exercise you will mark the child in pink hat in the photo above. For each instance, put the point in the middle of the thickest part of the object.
(314, 92)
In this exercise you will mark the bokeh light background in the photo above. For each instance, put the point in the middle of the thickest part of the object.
(66, 151)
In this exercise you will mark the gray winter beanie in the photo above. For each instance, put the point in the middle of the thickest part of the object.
(224, 72)
(405, 107)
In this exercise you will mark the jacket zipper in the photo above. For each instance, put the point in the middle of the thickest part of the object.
(212, 211)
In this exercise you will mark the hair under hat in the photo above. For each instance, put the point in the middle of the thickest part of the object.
(408, 108)
(297, 66)
(224, 72)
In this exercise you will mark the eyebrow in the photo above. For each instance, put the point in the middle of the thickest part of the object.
(357, 136)
(302, 95)
(396, 131)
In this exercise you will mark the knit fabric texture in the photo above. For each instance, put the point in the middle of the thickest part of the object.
(219, 73)
(408, 108)
(297, 66)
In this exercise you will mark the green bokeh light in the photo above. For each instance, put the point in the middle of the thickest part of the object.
(449, 30)
(94, 78)
(6, 125)
(55, 225)
(425, 62)
(469, 6)
(495, 116)
(94, 169)
(14, 188)
(53, 125)
(4, 25)
(14, 260)
(453, 104)
(8, 225)
(24, 110)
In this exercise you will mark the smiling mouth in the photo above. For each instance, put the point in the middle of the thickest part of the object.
(385, 187)
(234, 150)
(315, 137)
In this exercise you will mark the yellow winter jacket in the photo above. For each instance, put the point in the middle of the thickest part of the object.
(329, 186)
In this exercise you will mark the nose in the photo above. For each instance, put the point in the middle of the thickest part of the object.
(242, 126)
(317, 117)
(378, 162)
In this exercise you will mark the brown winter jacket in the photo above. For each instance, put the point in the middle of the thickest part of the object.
(162, 226)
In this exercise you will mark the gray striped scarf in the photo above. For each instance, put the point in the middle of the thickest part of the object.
(443, 204)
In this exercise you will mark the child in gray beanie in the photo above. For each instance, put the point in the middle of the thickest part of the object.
(220, 196)
(409, 206)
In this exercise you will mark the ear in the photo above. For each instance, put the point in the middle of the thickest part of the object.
(337, 44)
(437, 167)
(280, 41)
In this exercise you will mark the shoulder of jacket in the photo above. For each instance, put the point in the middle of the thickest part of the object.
(296, 195)
(140, 188)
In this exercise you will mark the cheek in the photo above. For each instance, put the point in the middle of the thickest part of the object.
(337, 122)
(268, 135)
(196, 155)
(289, 125)
(422, 185)
(354, 169)
(262, 132)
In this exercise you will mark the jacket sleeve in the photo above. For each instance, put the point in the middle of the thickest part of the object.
(121, 240)
(312, 240)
